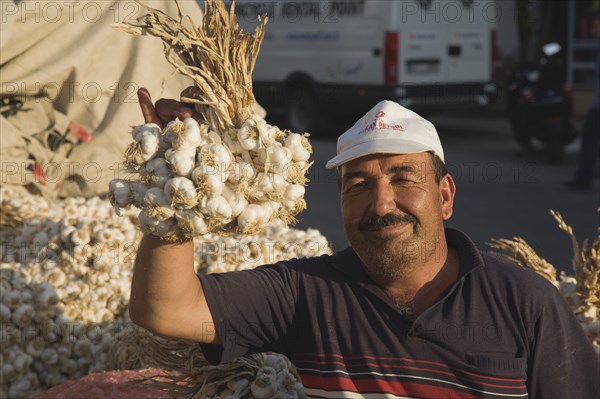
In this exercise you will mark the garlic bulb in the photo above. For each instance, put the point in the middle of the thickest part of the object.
(215, 155)
(119, 194)
(156, 172)
(145, 146)
(293, 198)
(253, 218)
(208, 180)
(191, 222)
(216, 209)
(181, 162)
(299, 146)
(247, 136)
(181, 193)
(184, 134)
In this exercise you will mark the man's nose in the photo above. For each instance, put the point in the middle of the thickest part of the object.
(383, 198)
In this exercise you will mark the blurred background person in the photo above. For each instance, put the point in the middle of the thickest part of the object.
(590, 137)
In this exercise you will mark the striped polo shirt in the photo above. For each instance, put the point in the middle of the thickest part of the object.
(500, 331)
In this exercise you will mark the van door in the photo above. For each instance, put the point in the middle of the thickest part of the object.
(444, 41)
(468, 27)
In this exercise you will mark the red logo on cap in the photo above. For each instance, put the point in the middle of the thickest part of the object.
(379, 123)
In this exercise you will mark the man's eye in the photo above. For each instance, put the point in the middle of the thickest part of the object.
(405, 180)
(356, 185)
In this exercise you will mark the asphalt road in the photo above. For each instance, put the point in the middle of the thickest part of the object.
(500, 194)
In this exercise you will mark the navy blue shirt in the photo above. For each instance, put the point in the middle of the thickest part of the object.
(500, 331)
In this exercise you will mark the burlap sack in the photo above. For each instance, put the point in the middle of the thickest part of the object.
(63, 58)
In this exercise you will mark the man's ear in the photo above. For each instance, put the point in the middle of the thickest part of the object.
(447, 192)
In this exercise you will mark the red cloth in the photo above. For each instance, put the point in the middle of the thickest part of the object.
(110, 384)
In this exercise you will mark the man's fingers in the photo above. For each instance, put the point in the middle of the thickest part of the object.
(169, 109)
(148, 111)
(165, 110)
(190, 92)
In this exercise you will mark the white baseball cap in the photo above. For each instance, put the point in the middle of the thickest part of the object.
(388, 128)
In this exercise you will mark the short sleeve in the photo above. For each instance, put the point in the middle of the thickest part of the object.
(563, 362)
(253, 310)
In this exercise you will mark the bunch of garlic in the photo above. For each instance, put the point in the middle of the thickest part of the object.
(263, 375)
(192, 181)
(275, 378)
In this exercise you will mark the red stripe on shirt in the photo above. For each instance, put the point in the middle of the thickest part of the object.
(338, 383)
(403, 359)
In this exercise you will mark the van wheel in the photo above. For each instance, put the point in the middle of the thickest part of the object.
(301, 115)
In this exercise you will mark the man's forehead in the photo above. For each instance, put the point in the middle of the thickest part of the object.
(388, 162)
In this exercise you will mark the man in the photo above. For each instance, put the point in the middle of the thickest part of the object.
(409, 310)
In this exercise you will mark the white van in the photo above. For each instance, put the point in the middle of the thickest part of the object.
(323, 56)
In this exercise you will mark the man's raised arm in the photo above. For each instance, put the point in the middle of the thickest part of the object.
(166, 294)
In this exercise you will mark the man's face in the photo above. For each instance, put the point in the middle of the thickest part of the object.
(393, 211)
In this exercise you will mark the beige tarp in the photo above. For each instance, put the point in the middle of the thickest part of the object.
(64, 63)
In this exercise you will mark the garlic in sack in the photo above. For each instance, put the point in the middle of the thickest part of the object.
(56, 301)
(74, 300)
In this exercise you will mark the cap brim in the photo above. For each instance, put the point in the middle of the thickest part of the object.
(381, 146)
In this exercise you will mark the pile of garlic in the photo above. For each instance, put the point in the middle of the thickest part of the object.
(190, 180)
(220, 254)
(65, 278)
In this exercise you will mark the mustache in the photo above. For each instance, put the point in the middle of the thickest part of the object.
(377, 222)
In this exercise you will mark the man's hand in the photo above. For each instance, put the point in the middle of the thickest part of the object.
(166, 109)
